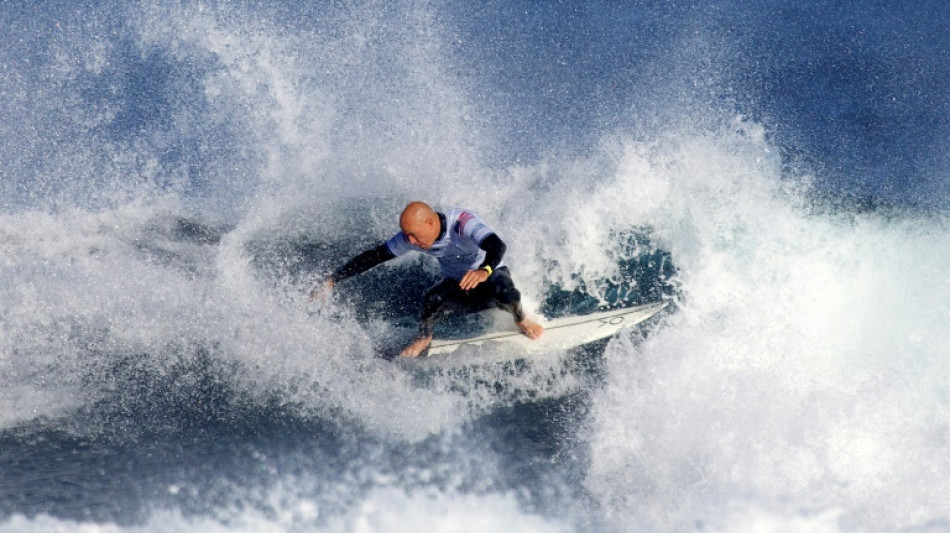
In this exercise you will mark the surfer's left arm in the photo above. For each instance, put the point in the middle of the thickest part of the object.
(494, 250)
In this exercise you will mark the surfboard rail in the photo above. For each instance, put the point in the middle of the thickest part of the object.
(560, 333)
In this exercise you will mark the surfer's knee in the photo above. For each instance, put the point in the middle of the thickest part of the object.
(435, 297)
(431, 302)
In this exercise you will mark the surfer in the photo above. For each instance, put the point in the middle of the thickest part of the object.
(470, 255)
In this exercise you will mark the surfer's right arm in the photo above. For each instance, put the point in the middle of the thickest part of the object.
(360, 263)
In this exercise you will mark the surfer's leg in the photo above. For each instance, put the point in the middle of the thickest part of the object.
(435, 298)
(503, 294)
(499, 289)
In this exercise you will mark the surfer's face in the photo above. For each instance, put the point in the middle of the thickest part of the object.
(420, 224)
(422, 233)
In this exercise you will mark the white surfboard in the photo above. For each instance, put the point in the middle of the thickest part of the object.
(559, 334)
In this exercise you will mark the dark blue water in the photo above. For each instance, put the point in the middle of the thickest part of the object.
(174, 179)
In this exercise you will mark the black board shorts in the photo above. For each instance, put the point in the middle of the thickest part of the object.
(497, 291)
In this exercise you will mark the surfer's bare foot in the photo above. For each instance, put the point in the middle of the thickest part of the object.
(416, 348)
(530, 328)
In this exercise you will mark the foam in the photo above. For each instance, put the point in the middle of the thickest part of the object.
(264, 107)
(804, 370)
(383, 510)
(796, 368)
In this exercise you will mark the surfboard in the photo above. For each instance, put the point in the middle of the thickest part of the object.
(559, 334)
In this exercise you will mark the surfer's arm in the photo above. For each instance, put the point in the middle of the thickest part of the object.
(494, 250)
(362, 263)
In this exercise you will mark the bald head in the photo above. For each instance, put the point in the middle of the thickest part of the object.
(415, 213)
(420, 224)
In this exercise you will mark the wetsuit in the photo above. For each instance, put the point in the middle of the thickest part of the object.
(465, 243)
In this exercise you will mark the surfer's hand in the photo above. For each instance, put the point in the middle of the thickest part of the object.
(321, 293)
(472, 278)
(416, 348)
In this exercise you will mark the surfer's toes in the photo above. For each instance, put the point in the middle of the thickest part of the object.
(532, 329)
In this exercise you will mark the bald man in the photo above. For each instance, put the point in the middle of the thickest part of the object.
(470, 255)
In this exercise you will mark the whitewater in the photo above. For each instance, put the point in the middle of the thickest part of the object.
(176, 177)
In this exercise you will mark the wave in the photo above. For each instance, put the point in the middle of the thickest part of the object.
(797, 368)
(175, 179)
(798, 345)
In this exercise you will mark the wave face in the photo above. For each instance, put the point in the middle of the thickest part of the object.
(174, 180)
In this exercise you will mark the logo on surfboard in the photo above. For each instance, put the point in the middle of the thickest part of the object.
(610, 321)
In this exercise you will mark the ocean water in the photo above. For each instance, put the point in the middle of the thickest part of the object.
(176, 176)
